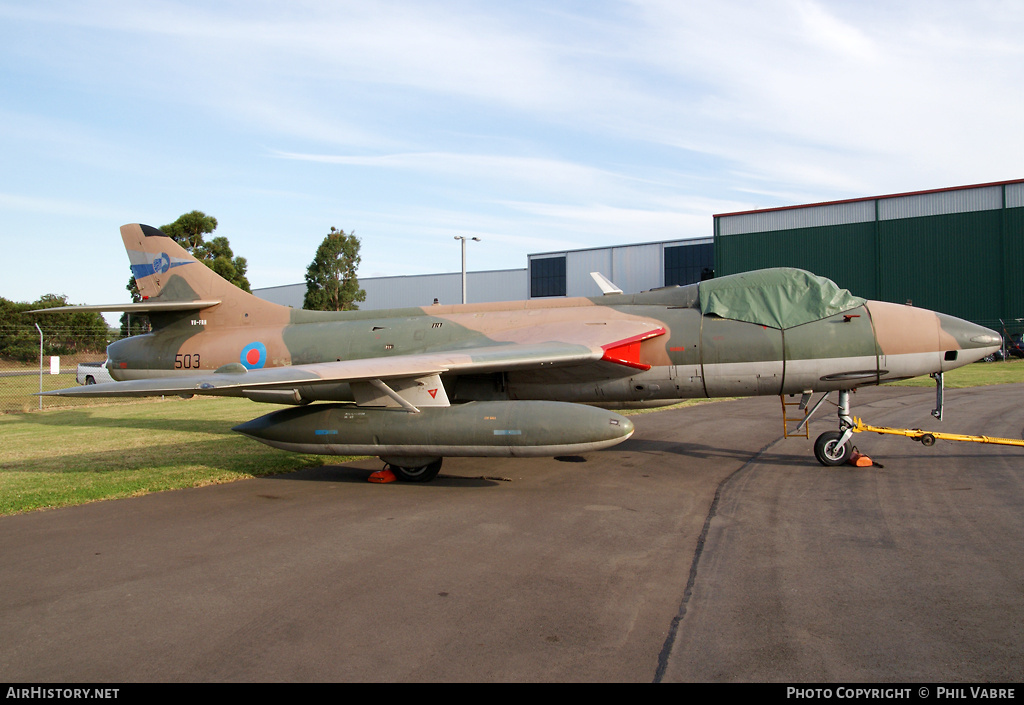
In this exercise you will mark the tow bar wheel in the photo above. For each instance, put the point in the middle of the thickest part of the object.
(829, 452)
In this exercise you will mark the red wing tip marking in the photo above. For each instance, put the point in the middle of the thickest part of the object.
(627, 351)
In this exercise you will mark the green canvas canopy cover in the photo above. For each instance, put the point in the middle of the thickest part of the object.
(781, 297)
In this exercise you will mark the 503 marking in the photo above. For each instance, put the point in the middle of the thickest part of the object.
(186, 361)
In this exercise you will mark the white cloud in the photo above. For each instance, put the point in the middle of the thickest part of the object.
(536, 125)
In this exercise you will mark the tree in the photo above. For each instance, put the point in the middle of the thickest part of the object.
(188, 229)
(72, 331)
(331, 283)
(63, 333)
(217, 255)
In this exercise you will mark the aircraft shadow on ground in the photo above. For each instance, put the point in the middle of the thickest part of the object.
(693, 450)
(359, 471)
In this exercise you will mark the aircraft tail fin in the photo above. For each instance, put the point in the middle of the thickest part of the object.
(167, 275)
(606, 285)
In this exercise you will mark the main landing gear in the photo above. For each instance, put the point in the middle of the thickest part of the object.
(414, 469)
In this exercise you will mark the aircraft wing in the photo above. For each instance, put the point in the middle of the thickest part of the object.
(141, 307)
(392, 377)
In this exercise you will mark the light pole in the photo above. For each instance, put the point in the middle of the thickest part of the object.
(463, 238)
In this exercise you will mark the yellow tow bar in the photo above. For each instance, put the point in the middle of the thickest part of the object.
(928, 438)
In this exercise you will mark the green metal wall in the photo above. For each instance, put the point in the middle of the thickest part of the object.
(949, 263)
(969, 265)
(1013, 264)
(843, 253)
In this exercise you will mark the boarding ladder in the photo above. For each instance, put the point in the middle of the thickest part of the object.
(802, 428)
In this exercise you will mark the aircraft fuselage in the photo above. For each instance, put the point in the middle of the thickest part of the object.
(699, 355)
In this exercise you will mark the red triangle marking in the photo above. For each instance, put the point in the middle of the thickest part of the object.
(432, 393)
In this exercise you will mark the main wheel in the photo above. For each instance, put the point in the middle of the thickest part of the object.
(425, 473)
(828, 451)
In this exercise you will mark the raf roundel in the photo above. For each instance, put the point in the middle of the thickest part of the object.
(253, 356)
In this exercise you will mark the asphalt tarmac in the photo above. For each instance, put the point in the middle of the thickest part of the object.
(705, 548)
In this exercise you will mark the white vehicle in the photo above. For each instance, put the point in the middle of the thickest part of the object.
(93, 373)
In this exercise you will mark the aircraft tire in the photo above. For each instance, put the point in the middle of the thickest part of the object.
(425, 473)
(828, 451)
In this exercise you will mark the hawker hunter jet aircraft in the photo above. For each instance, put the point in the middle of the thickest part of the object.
(525, 378)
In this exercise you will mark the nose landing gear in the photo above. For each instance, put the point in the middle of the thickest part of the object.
(834, 447)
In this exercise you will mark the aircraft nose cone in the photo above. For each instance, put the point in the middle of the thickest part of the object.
(969, 336)
(973, 342)
(986, 339)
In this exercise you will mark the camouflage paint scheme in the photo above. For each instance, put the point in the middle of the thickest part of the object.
(214, 339)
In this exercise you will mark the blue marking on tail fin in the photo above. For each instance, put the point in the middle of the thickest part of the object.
(160, 264)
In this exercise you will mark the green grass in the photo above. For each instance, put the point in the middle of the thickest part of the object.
(17, 394)
(979, 374)
(64, 457)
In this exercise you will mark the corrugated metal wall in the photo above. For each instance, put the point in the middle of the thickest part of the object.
(959, 251)
(842, 253)
(949, 263)
(578, 266)
(636, 268)
(923, 204)
(793, 218)
(1015, 195)
(420, 290)
(1013, 263)
(287, 295)
(633, 268)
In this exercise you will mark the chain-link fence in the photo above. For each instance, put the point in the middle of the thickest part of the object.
(27, 371)
(20, 385)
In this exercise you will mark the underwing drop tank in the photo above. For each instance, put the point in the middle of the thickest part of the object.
(475, 429)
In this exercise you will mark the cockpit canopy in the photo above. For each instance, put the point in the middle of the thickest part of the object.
(782, 297)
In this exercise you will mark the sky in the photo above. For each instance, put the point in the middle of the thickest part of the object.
(535, 126)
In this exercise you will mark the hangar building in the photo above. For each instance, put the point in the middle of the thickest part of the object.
(956, 250)
(634, 268)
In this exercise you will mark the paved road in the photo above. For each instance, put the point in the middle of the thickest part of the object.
(703, 549)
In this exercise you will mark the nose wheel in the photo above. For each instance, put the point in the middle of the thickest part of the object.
(835, 447)
(830, 450)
